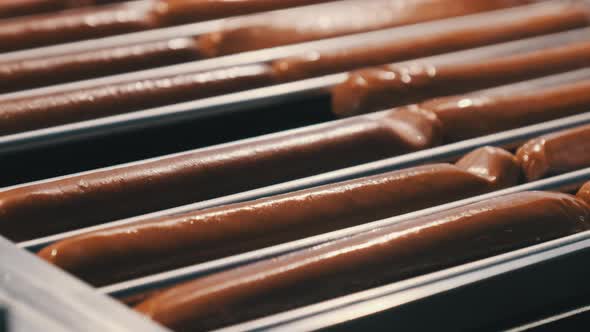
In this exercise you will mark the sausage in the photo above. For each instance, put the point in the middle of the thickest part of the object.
(555, 153)
(13, 8)
(95, 197)
(584, 193)
(254, 32)
(479, 114)
(136, 250)
(185, 11)
(29, 113)
(37, 72)
(72, 25)
(334, 19)
(87, 23)
(368, 260)
(372, 89)
(320, 62)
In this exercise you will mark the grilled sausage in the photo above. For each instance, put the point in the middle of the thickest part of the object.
(317, 62)
(105, 195)
(156, 245)
(87, 23)
(334, 19)
(37, 72)
(236, 35)
(584, 193)
(27, 7)
(372, 89)
(29, 113)
(556, 153)
(470, 116)
(40, 111)
(368, 260)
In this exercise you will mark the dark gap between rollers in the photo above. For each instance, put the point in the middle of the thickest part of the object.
(62, 159)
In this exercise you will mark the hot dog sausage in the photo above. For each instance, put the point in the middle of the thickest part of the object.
(105, 195)
(334, 19)
(87, 23)
(137, 249)
(37, 72)
(556, 153)
(29, 113)
(470, 116)
(239, 34)
(320, 62)
(387, 255)
(584, 193)
(372, 89)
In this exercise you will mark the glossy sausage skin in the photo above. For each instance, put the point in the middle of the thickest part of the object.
(556, 153)
(38, 72)
(320, 62)
(136, 250)
(22, 114)
(334, 19)
(186, 11)
(372, 89)
(15, 8)
(256, 32)
(12, 8)
(48, 29)
(475, 115)
(584, 193)
(393, 253)
(105, 195)
(87, 23)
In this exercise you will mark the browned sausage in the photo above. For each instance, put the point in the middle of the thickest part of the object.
(104, 195)
(21, 114)
(387, 255)
(254, 32)
(584, 193)
(476, 115)
(12, 8)
(335, 19)
(87, 23)
(135, 250)
(27, 113)
(31, 73)
(72, 25)
(319, 62)
(372, 89)
(556, 153)
(185, 11)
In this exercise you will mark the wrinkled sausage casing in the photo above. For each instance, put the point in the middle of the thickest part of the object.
(160, 244)
(556, 153)
(390, 254)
